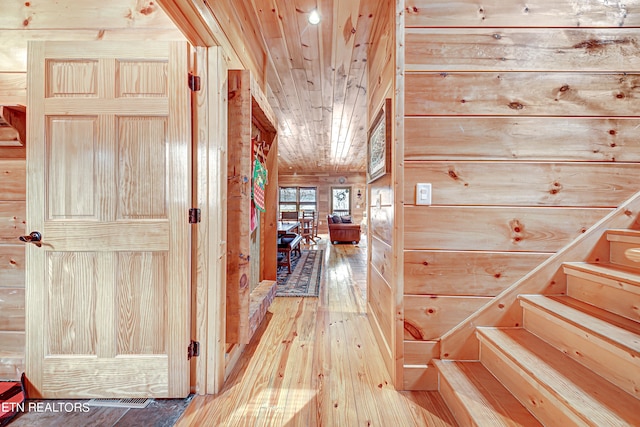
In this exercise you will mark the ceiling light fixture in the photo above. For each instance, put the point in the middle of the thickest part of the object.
(314, 17)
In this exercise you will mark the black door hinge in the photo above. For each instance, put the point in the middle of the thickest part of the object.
(194, 216)
(194, 82)
(193, 350)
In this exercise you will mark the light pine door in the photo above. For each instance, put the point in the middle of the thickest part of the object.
(108, 187)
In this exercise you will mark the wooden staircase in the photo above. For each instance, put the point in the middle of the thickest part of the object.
(575, 361)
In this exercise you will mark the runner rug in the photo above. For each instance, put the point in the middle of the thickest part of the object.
(305, 277)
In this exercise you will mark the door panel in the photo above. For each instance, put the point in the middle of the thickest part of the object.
(71, 155)
(108, 187)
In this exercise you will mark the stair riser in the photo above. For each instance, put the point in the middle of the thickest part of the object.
(600, 294)
(542, 403)
(617, 256)
(610, 362)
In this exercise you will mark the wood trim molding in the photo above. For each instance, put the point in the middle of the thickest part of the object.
(200, 27)
(210, 262)
(264, 112)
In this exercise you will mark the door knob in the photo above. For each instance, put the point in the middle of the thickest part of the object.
(34, 237)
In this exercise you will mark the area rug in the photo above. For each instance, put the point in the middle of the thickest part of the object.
(12, 397)
(304, 280)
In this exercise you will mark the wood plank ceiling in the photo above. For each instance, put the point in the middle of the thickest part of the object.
(316, 76)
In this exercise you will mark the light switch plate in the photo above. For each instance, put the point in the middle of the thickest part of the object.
(423, 194)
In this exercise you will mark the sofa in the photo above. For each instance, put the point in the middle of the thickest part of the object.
(342, 230)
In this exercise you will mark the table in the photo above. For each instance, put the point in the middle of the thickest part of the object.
(285, 227)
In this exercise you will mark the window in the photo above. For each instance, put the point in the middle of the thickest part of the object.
(298, 199)
(341, 200)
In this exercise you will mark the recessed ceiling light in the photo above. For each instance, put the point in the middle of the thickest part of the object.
(314, 17)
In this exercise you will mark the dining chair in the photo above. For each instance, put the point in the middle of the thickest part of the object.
(308, 225)
(289, 216)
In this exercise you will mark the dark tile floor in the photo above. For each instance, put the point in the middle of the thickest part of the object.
(75, 413)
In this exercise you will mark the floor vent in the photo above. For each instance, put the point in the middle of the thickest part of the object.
(135, 403)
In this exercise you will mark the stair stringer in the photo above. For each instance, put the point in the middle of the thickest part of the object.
(461, 343)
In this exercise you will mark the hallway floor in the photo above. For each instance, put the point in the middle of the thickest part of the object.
(315, 362)
(74, 413)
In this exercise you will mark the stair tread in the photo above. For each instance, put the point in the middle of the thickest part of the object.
(598, 400)
(606, 330)
(609, 271)
(600, 313)
(486, 399)
(620, 234)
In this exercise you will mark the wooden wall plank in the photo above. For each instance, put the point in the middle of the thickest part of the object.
(382, 221)
(381, 259)
(250, 42)
(381, 195)
(12, 309)
(537, 184)
(381, 302)
(396, 136)
(238, 22)
(381, 340)
(12, 221)
(15, 42)
(11, 355)
(12, 342)
(13, 180)
(519, 229)
(522, 93)
(534, 13)
(497, 95)
(420, 352)
(13, 88)
(38, 15)
(465, 273)
(522, 49)
(381, 224)
(380, 59)
(519, 138)
(12, 265)
(429, 317)
(18, 152)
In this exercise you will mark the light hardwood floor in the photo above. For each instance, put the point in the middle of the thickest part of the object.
(315, 362)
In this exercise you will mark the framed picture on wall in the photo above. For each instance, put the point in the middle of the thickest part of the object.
(379, 144)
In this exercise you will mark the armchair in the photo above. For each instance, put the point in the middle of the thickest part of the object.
(342, 232)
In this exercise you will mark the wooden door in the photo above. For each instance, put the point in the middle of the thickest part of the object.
(108, 187)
